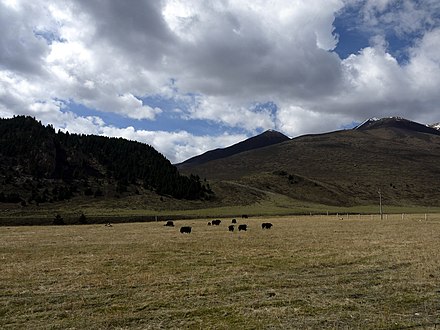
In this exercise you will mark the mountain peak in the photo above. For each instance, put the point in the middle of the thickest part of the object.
(374, 122)
(396, 122)
(264, 139)
(271, 134)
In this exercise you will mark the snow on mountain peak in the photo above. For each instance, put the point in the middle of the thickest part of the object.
(369, 120)
(436, 126)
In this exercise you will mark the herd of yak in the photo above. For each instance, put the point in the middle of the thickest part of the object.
(187, 229)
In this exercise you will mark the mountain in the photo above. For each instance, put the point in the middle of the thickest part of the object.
(343, 168)
(38, 165)
(269, 137)
(397, 122)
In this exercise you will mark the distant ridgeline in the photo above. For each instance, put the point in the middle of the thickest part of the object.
(39, 165)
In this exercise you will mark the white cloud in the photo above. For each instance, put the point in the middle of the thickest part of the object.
(130, 106)
(222, 110)
(74, 65)
(298, 120)
(424, 66)
(373, 73)
(399, 16)
(181, 145)
(241, 50)
(423, 71)
(176, 146)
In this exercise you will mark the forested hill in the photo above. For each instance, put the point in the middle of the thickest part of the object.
(41, 165)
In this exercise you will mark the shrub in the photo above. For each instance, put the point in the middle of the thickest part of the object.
(82, 219)
(58, 220)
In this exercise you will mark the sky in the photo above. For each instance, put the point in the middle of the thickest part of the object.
(195, 75)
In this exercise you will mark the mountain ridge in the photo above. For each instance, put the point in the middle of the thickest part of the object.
(264, 139)
(345, 167)
(397, 122)
(277, 137)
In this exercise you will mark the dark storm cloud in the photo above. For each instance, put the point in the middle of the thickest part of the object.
(137, 28)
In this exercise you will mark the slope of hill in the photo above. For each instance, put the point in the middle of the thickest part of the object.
(38, 165)
(395, 156)
(265, 139)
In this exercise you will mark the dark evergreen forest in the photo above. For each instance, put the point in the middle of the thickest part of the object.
(39, 164)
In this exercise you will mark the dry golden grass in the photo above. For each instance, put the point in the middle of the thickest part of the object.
(306, 272)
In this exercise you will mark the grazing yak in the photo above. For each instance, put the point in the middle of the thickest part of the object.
(185, 230)
(234, 220)
(169, 224)
(231, 228)
(209, 223)
(266, 225)
(216, 222)
(242, 227)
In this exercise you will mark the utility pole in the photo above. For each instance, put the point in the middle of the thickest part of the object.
(380, 205)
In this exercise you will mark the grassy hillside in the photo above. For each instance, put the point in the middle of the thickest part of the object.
(344, 168)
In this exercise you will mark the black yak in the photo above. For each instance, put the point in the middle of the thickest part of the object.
(234, 220)
(185, 230)
(216, 222)
(242, 227)
(169, 224)
(266, 225)
(231, 227)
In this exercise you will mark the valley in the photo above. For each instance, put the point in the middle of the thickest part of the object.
(269, 174)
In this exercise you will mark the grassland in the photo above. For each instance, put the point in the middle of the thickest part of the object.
(142, 208)
(306, 272)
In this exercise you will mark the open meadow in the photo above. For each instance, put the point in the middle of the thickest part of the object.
(306, 272)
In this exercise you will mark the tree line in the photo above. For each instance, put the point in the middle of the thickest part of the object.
(28, 148)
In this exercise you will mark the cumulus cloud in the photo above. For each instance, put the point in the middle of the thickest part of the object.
(221, 110)
(394, 18)
(216, 61)
(240, 50)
